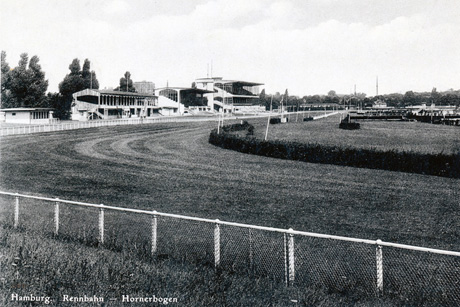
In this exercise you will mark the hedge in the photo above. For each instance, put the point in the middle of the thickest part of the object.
(349, 126)
(412, 162)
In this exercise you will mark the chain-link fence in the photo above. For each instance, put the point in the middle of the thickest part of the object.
(353, 267)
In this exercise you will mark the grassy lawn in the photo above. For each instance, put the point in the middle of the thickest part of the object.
(381, 135)
(172, 168)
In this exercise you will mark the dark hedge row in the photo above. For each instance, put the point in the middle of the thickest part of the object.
(349, 126)
(237, 127)
(411, 162)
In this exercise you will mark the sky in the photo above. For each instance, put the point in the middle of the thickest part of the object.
(306, 46)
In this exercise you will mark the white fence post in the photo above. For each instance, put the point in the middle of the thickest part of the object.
(56, 217)
(291, 262)
(154, 233)
(101, 224)
(286, 281)
(217, 244)
(16, 212)
(379, 261)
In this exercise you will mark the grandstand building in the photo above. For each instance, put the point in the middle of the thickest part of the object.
(231, 96)
(105, 104)
(183, 100)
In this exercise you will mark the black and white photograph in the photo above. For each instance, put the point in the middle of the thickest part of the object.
(230, 153)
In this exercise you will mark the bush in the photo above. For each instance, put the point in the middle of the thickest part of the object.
(349, 126)
(411, 162)
(275, 120)
(307, 119)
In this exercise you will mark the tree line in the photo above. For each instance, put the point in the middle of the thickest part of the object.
(25, 85)
(397, 100)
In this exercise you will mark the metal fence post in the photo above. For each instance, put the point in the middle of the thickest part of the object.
(16, 212)
(101, 224)
(154, 233)
(56, 217)
(217, 244)
(291, 262)
(379, 262)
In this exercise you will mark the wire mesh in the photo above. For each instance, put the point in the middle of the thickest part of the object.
(6, 210)
(34, 215)
(425, 279)
(339, 266)
(253, 251)
(184, 240)
(128, 232)
(237, 249)
(78, 223)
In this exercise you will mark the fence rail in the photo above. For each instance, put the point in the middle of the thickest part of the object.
(61, 126)
(297, 258)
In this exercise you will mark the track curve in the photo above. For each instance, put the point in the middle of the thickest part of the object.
(172, 168)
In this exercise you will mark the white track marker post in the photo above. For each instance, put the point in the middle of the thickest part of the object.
(16, 212)
(154, 233)
(268, 120)
(56, 217)
(379, 260)
(101, 224)
(291, 257)
(217, 244)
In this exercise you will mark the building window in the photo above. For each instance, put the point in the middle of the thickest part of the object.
(13, 114)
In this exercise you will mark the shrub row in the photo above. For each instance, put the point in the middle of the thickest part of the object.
(237, 127)
(411, 162)
(349, 126)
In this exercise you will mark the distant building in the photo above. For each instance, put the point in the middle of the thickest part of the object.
(105, 104)
(144, 87)
(231, 95)
(27, 115)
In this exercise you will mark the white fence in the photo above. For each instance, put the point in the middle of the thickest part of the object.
(407, 274)
(60, 126)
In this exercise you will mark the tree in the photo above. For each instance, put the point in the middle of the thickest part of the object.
(27, 84)
(5, 82)
(409, 98)
(57, 102)
(435, 96)
(332, 93)
(72, 83)
(126, 84)
(89, 76)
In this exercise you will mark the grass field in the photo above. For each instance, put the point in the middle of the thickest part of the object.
(172, 168)
(381, 135)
